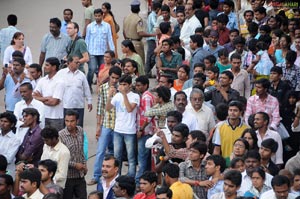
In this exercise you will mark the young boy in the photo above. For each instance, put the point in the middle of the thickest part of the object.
(295, 189)
(212, 74)
(148, 182)
(267, 150)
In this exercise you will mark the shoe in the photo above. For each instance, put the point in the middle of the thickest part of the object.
(91, 182)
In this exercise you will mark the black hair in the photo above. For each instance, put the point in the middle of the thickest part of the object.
(229, 3)
(181, 51)
(10, 117)
(53, 61)
(12, 20)
(127, 183)
(253, 135)
(291, 56)
(97, 193)
(222, 111)
(111, 157)
(50, 165)
(261, 10)
(260, 171)
(98, 11)
(128, 43)
(111, 53)
(185, 67)
(164, 27)
(266, 117)
(245, 142)
(72, 112)
(271, 144)
(200, 146)
(239, 40)
(20, 60)
(287, 38)
(261, 45)
(8, 179)
(228, 74)
(143, 79)
(108, 8)
(37, 67)
(198, 135)
(183, 129)
(149, 176)
(133, 63)
(237, 104)
(234, 176)
(280, 180)
(3, 163)
(197, 39)
(276, 69)
(49, 133)
(218, 161)
(199, 30)
(169, 77)
(222, 18)
(156, 5)
(214, 4)
(200, 75)
(135, 8)
(172, 170)
(17, 53)
(175, 114)
(56, 21)
(165, 8)
(235, 160)
(223, 52)
(211, 58)
(247, 11)
(32, 112)
(169, 41)
(265, 28)
(264, 82)
(278, 32)
(33, 175)
(164, 190)
(266, 40)
(126, 79)
(175, 39)
(68, 9)
(180, 93)
(235, 56)
(253, 27)
(164, 93)
(253, 154)
(115, 70)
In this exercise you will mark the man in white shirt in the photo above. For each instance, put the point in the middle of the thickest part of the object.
(76, 88)
(9, 143)
(49, 91)
(126, 103)
(203, 113)
(189, 26)
(28, 102)
(35, 71)
(55, 150)
(30, 180)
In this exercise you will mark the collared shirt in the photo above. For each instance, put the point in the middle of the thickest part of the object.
(241, 83)
(109, 117)
(181, 190)
(5, 38)
(144, 196)
(205, 118)
(188, 28)
(34, 82)
(197, 57)
(218, 196)
(293, 163)
(271, 195)
(54, 88)
(61, 155)
(216, 97)
(277, 159)
(217, 188)
(105, 188)
(292, 75)
(55, 46)
(76, 88)
(99, 38)
(151, 21)
(223, 36)
(243, 56)
(39, 106)
(175, 62)
(36, 195)
(75, 145)
(160, 111)
(214, 51)
(232, 21)
(146, 102)
(9, 145)
(190, 120)
(32, 146)
(270, 105)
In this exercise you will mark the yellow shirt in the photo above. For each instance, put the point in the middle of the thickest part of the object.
(181, 190)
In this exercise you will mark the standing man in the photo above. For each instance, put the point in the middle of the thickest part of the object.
(88, 14)
(145, 125)
(77, 89)
(213, 47)
(126, 103)
(72, 137)
(68, 16)
(98, 40)
(77, 47)
(54, 44)
(50, 91)
(6, 34)
(133, 29)
(35, 71)
(11, 81)
(105, 123)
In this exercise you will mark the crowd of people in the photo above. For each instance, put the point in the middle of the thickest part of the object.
(221, 121)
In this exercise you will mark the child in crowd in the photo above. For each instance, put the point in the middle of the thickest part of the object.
(223, 61)
(212, 74)
(237, 164)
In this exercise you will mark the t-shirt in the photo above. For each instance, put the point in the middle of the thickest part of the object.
(125, 122)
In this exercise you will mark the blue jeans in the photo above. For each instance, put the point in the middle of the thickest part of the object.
(94, 63)
(105, 141)
(130, 144)
(144, 157)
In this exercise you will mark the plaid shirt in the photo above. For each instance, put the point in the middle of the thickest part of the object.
(292, 75)
(147, 101)
(160, 111)
(270, 105)
(75, 146)
(187, 172)
(109, 117)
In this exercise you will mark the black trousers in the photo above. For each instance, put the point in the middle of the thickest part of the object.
(75, 188)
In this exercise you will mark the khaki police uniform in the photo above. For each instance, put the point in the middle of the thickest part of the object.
(133, 24)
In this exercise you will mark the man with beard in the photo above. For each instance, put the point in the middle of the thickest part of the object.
(54, 44)
(239, 46)
(213, 47)
(180, 16)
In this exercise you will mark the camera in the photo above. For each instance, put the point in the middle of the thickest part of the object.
(25, 167)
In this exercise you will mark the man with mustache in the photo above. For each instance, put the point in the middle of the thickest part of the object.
(213, 47)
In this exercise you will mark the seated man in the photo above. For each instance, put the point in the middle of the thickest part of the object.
(6, 186)
(148, 182)
(30, 181)
(124, 187)
(267, 149)
(163, 193)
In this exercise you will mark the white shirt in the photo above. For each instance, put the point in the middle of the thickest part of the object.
(188, 28)
(36, 195)
(34, 82)
(107, 189)
(9, 145)
(271, 195)
(150, 141)
(52, 88)
(190, 120)
(21, 105)
(247, 182)
(125, 122)
(61, 155)
(76, 88)
(10, 50)
(277, 158)
(205, 118)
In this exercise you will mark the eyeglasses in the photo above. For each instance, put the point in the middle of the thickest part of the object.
(239, 145)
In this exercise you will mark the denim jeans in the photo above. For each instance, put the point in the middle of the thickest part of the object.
(144, 157)
(105, 141)
(94, 63)
(80, 112)
(130, 144)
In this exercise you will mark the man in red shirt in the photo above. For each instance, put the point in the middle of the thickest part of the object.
(148, 182)
(222, 30)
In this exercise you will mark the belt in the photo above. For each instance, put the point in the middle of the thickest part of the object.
(134, 39)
